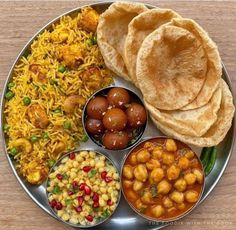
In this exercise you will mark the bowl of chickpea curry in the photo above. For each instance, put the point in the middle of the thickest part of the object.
(162, 179)
(83, 188)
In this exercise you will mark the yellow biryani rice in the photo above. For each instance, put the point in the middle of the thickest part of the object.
(63, 61)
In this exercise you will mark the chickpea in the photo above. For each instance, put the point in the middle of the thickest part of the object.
(157, 152)
(167, 202)
(60, 213)
(92, 163)
(100, 164)
(127, 183)
(181, 206)
(156, 175)
(92, 154)
(105, 197)
(115, 176)
(65, 217)
(75, 164)
(177, 197)
(140, 172)
(131, 195)
(149, 146)
(117, 186)
(133, 159)
(190, 178)
(152, 163)
(171, 145)
(102, 158)
(183, 162)
(168, 158)
(103, 190)
(137, 185)
(173, 172)
(199, 175)
(189, 154)
(102, 202)
(79, 158)
(191, 196)
(194, 163)
(83, 153)
(158, 210)
(139, 204)
(74, 220)
(143, 156)
(147, 197)
(128, 172)
(164, 187)
(180, 185)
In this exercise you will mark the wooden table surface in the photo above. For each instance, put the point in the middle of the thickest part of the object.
(19, 20)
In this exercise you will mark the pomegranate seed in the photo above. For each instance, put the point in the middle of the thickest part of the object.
(59, 176)
(87, 168)
(81, 186)
(78, 209)
(75, 184)
(95, 204)
(87, 190)
(72, 156)
(58, 206)
(70, 193)
(80, 200)
(103, 175)
(53, 203)
(109, 202)
(89, 218)
(95, 197)
(108, 179)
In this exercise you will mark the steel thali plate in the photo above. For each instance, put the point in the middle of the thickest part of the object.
(124, 217)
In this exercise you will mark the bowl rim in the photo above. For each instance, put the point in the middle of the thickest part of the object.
(57, 163)
(156, 219)
(143, 127)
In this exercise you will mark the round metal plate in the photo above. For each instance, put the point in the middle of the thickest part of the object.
(124, 217)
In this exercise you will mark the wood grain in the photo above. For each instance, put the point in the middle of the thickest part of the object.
(21, 19)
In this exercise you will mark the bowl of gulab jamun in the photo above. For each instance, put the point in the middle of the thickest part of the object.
(115, 118)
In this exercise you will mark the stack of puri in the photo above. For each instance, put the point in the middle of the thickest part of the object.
(175, 64)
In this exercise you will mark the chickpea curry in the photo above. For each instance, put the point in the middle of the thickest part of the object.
(162, 178)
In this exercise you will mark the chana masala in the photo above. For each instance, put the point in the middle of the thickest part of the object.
(162, 178)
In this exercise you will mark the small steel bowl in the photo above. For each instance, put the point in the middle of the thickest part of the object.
(48, 193)
(134, 98)
(139, 146)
